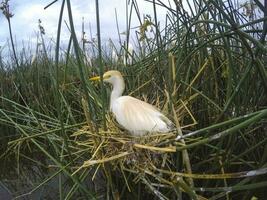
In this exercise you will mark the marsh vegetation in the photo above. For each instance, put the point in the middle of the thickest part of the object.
(204, 67)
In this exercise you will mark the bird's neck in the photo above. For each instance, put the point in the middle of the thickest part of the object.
(118, 89)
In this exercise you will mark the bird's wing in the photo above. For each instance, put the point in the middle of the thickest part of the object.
(139, 116)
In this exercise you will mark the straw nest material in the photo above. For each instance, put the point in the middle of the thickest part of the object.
(118, 147)
(123, 151)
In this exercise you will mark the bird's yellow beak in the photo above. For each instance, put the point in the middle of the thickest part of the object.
(96, 78)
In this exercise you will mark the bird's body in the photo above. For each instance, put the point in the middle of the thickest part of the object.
(138, 116)
(135, 115)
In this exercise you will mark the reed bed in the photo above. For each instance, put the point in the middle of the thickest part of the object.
(204, 68)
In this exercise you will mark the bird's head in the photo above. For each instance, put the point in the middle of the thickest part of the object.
(111, 77)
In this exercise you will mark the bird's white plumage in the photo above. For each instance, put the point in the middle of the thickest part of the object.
(135, 115)
(138, 116)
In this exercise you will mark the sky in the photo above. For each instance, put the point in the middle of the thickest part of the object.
(28, 12)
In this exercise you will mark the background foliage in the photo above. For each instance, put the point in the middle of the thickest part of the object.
(205, 69)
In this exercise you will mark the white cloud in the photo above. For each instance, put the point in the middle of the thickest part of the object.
(27, 13)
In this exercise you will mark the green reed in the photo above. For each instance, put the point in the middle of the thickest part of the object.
(209, 64)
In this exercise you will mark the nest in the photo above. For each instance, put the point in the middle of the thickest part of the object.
(125, 152)
(116, 145)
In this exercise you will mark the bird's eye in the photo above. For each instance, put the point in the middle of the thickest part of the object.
(107, 76)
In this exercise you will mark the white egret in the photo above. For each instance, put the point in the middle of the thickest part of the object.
(136, 116)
